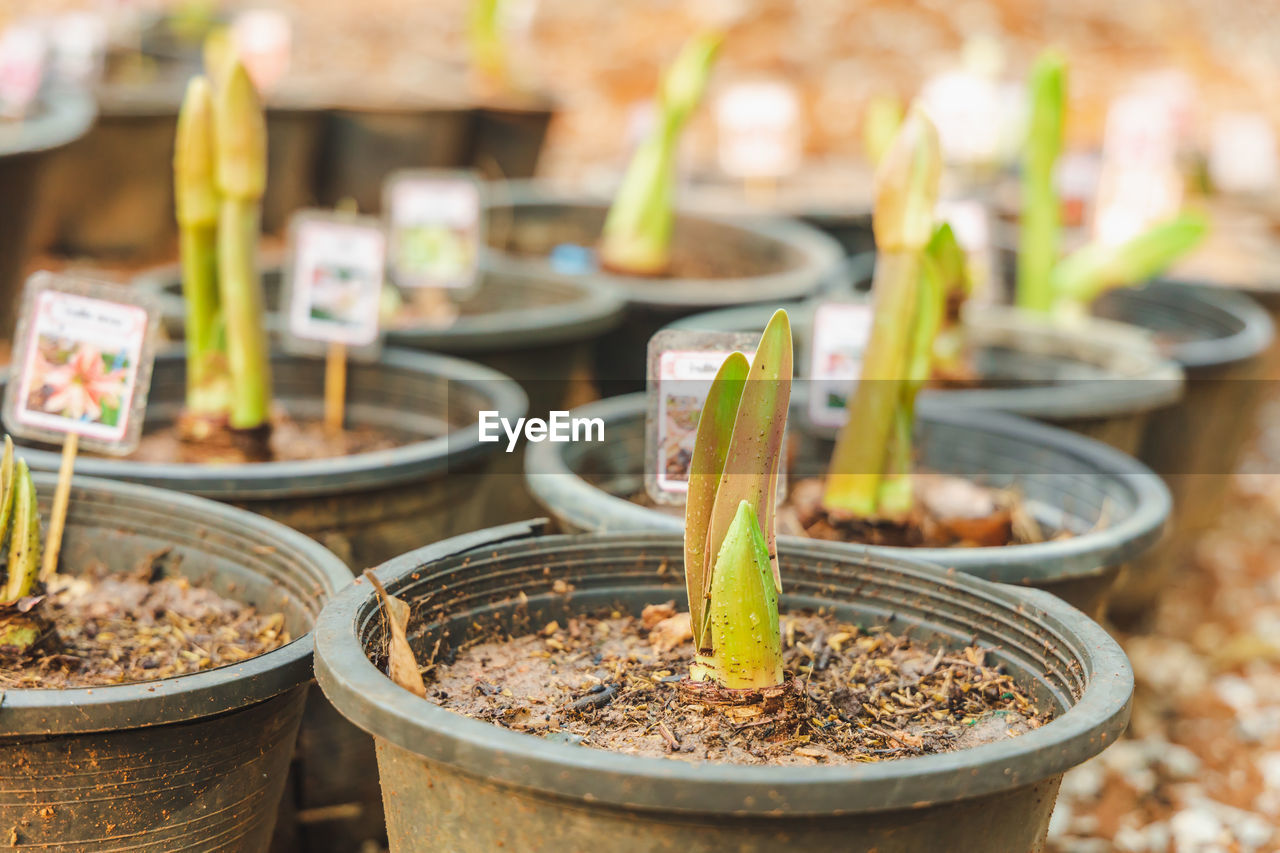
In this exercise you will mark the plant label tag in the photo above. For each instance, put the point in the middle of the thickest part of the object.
(83, 353)
(435, 228)
(1242, 154)
(264, 41)
(23, 51)
(79, 47)
(333, 283)
(682, 365)
(1140, 183)
(758, 130)
(841, 331)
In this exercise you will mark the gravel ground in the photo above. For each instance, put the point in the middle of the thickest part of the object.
(1200, 769)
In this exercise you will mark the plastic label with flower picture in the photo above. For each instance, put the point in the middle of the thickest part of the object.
(840, 334)
(682, 365)
(333, 284)
(83, 353)
(435, 228)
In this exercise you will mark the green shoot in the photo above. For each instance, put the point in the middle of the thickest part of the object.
(637, 231)
(1038, 241)
(731, 571)
(1048, 283)
(908, 304)
(197, 212)
(241, 169)
(880, 122)
(20, 627)
(488, 48)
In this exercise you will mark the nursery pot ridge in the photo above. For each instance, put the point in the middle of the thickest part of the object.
(194, 761)
(459, 784)
(1067, 481)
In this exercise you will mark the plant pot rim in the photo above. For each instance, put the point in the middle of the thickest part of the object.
(1235, 306)
(554, 485)
(357, 472)
(372, 701)
(821, 254)
(61, 117)
(1153, 383)
(595, 307)
(44, 711)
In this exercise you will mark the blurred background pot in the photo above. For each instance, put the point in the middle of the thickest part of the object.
(27, 150)
(718, 262)
(192, 762)
(453, 783)
(1114, 507)
(1090, 377)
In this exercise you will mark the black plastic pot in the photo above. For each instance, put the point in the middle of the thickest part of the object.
(537, 329)
(788, 260)
(367, 140)
(1114, 506)
(458, 784)
(111, 193)
(1222, 340)
(1090, 378)
(26, 149)
(194, 762)
(365, 508)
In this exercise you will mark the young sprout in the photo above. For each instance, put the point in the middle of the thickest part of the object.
(1038, 241)
(880, 122)
(868, 477)
(637, 231)
(21, 627)
(731, 569)
(241, 159)
(488, 48)
(1046, 282)
(196, 196)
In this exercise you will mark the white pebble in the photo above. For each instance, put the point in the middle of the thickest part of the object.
(1196, 831)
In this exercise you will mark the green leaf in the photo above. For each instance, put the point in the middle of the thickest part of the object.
(24, 544)
(7, 489)
(746, 640)
(711, 446)
(1086, 273)
(755, 449)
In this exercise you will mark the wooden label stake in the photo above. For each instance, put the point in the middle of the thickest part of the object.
(335, 388)
(58, 513)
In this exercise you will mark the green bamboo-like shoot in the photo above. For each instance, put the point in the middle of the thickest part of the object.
(906, 194)
(880, 123)
(715, 430)
(637, 232)
(1038, 240)
(24, 540)
(1083, 275)
(743, 617)
(731, 510)
(488, 48)
(241, 157)
(196, 197)
(219, 55)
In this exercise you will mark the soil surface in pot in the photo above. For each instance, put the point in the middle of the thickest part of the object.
(112, 628)
(291, 441)
(950, 512)
(695, 259)
(620, 683)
